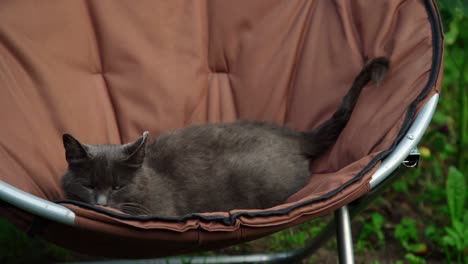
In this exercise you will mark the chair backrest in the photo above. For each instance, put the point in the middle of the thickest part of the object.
(105, 71)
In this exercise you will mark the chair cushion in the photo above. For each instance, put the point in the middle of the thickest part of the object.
(105, 71)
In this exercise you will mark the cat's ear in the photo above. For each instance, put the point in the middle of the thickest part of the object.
(75, 152)
(136, 151)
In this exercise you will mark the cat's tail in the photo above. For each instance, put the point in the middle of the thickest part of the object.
(320, 139)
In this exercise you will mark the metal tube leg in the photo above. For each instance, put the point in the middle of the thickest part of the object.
(343, 236)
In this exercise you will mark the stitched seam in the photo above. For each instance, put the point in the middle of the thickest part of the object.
(202, 99)
(297, 58)
(235, 104)
(98, 47)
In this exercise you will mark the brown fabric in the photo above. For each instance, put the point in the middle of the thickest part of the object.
(105, 71)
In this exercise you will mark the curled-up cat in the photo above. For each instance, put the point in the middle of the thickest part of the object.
(206, 168)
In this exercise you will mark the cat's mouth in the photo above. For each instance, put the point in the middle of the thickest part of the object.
(134, 209)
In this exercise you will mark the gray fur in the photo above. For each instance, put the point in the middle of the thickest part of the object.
(206, 168)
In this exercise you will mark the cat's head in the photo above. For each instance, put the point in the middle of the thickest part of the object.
(103, 174)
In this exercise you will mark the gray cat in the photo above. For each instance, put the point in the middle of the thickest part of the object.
(206, 168)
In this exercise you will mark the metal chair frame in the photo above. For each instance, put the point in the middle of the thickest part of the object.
(405, 154)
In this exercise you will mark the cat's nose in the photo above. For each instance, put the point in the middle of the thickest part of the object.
(102, 199)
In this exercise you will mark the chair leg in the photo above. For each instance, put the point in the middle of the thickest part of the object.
(344, 236)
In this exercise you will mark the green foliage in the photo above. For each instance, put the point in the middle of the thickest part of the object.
(456, 194)
(433, 233)
(371, 229)
(455, 17)
(295, 237)
(456, 236)
(400, 186)
(17, 247)
(407, 233)
(413, 259)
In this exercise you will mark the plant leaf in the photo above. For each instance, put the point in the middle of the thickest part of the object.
(456, 194)
(455, 238)
(446, 240)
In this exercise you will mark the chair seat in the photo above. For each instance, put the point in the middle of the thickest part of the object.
(105, 71)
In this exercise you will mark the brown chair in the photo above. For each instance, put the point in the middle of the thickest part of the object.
(106, 71)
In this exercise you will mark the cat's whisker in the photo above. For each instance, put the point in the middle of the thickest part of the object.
(134, 209)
